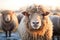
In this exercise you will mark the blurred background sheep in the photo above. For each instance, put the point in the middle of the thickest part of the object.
(9, 21)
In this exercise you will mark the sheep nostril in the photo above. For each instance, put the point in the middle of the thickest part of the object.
(35, 22)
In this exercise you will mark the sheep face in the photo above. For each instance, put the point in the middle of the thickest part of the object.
(7, 16)
(35, 19)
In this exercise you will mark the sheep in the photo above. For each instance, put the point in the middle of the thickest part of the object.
(19, 16)
(9, 22)
(56, 25)
(0, 22)
(35, 25)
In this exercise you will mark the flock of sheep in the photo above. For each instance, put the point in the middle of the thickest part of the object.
(34, 23)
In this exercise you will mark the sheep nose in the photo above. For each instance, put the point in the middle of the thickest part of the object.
(35, 23)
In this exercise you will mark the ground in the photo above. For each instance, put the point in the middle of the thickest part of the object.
(15, 36)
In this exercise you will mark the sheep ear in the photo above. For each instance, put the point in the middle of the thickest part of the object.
(45, 14)
(2, 12)
(25, 13)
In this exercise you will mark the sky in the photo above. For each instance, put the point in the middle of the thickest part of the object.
(16, 4)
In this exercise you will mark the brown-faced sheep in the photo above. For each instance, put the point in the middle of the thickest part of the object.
(35, 25)
(9, 21)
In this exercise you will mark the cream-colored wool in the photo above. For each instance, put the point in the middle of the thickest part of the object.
(44, 33)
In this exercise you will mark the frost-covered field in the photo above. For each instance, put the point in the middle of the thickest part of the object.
(15, 36)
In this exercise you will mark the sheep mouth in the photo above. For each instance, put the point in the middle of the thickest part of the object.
(7, 21)
(36, 27)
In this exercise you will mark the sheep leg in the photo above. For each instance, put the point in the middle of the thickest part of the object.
(9, 33)
(6, 33)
